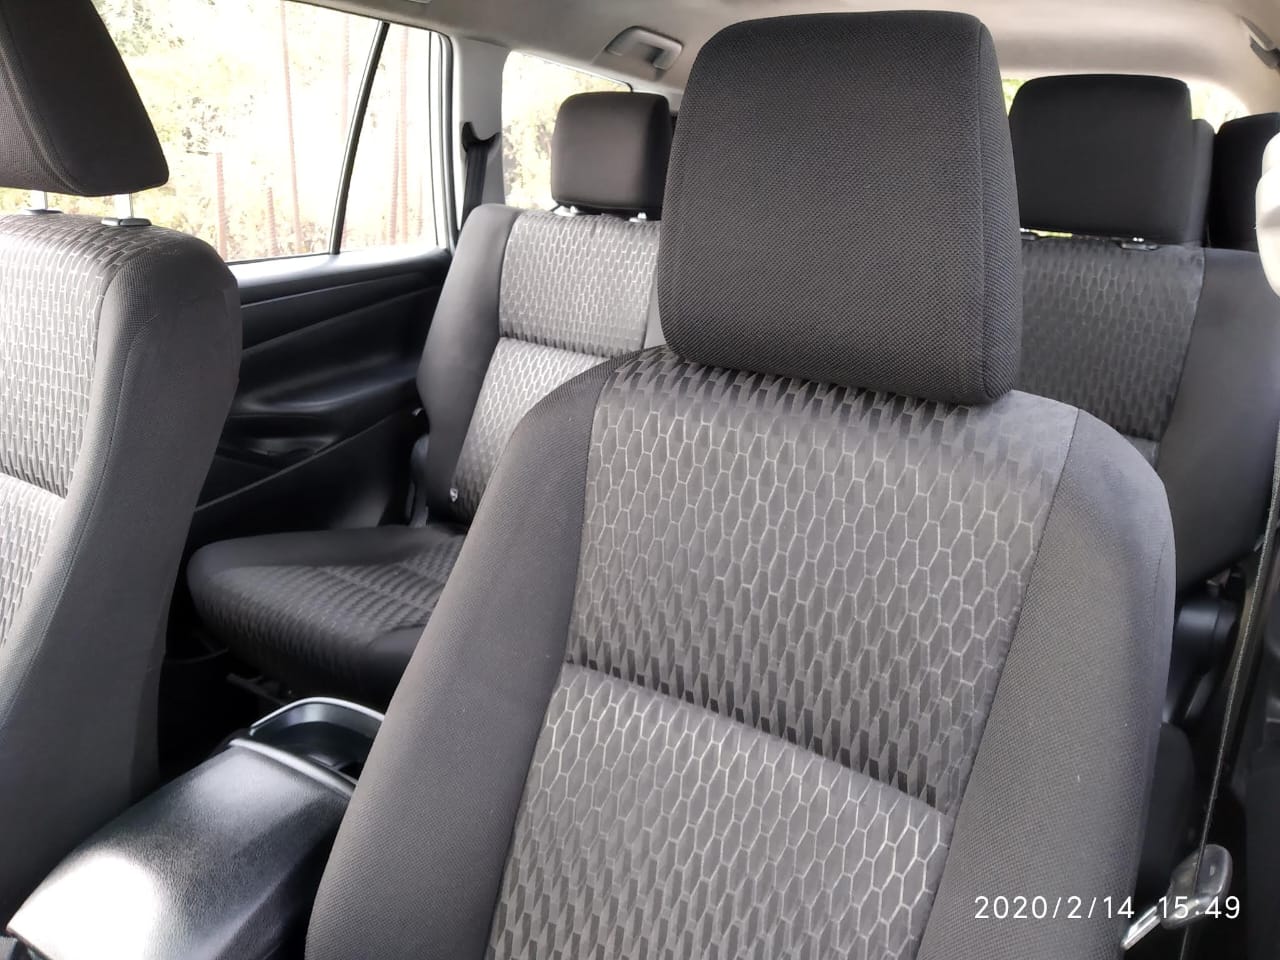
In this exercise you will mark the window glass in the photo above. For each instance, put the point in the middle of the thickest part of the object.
(532, 91)
(1208, 101)
(395, 195)
(253, 101)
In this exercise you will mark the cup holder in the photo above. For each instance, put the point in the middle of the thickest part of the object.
(333, 733)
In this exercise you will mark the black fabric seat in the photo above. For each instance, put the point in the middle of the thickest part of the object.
(1237, 166)
(1174, 345)
(531, 300)
(119, 347)
(791, 666)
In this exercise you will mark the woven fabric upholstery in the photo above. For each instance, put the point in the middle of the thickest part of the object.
(519, 375)
(794, 220)
(309, 606)
(793, 598)
(578, 283)
(767, 549)
(71, 120)
(57, 271)
(26, 516)
(119, 347)
(572, 292)
(1106, 328)
(575, 290)
(794, 608)
(752, 848)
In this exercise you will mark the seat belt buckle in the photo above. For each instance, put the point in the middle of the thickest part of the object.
(1193, 894)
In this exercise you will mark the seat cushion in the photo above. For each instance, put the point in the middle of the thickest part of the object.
(336, 611)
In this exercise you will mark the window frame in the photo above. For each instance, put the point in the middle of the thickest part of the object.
(440, 105)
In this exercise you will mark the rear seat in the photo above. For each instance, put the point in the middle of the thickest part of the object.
(1174, 345)
(1237, 165)
(531, 300)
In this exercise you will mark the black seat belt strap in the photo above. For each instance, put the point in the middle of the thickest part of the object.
(475, 152)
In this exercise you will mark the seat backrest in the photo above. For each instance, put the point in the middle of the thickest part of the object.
(824, 643)
(534, 298)
(1237, 165)
(1130, 318)
(119, 345)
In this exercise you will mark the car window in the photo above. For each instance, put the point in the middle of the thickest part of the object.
(532, 91)
(396, 194)
(253, 102)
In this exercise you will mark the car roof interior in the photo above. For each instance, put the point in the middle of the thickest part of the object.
(1204, 40)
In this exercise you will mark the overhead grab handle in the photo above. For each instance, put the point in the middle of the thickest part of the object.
(638, 43)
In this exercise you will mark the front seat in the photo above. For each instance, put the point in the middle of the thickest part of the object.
(119, 346)
(824, 632)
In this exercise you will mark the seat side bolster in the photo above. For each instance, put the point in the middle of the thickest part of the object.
(461, 341)
(1055, 803)
(1210, 461)
(423, 848)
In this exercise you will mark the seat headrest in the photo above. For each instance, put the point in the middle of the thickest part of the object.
(70, 117)
(1237, 165)
(841, 207)
(609, 152)
(1198, 215)
(1108, 156)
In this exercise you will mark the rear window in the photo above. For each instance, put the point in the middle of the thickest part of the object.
(532, 91)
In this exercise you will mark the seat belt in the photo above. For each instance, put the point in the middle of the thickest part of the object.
(1243, 662)
(475, 153)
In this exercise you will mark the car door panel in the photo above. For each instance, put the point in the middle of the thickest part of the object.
(320, 429)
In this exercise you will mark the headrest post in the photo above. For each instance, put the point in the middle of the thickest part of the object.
(39, 200)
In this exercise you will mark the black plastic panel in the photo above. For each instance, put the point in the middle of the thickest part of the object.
(222, 863)
(332, 345)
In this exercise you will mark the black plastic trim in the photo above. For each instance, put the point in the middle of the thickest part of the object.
(353, 137)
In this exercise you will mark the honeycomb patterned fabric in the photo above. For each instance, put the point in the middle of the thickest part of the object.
(57, 270)
(1106, 328)
(654, 829)
(575, 291)
(27, 514)
(519, 375)
(770, 549)
(323, 615)
(578, 283)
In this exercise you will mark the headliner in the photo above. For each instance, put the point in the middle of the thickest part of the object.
(1197, 40)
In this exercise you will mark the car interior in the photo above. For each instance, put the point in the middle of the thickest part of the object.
(682, 479)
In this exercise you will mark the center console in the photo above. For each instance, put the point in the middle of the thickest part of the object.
(221, 863)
